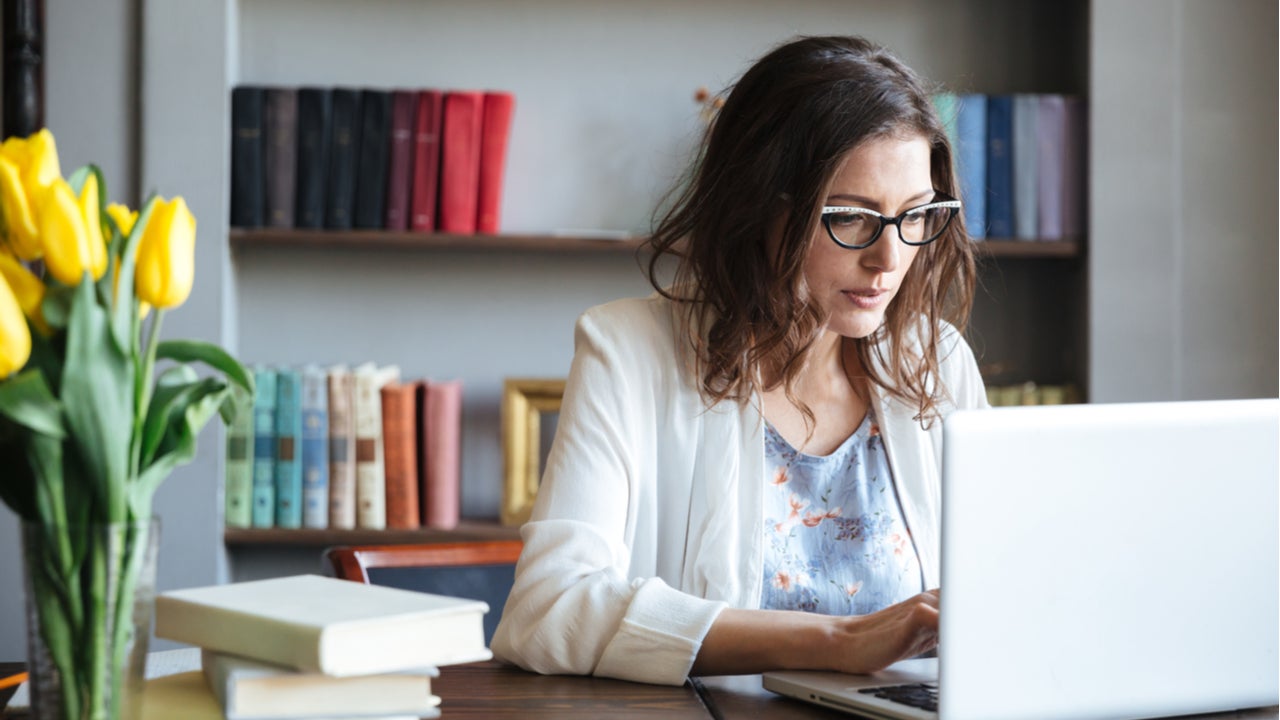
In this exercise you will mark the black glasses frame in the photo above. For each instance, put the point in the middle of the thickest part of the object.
(942, 200)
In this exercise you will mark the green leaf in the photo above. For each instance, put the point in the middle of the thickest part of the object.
(125, 305)
(18, 483)
(98, 403)
(186, 351)
(25, 399)
(56, 306)
(177, 389)
(178, 446)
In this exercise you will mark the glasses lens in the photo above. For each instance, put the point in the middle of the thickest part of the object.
(925, 224)
(852, 228)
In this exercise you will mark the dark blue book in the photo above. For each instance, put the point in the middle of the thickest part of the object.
(315, 447)
(971, 162)
(1000, 166)
(314, 109)
(375, 153)
(248, 178)
(264, 448)
(344, 153)
(288, 449)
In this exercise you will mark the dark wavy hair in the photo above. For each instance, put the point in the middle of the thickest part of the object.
(770, 155)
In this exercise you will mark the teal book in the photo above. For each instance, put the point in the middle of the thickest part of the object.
(288, 449)
(238, 486)
(315, 447)
(264, 448)
(948, 106)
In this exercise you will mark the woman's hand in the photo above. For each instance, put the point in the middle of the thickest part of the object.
(752, 641)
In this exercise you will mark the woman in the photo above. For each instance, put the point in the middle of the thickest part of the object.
(745, 472)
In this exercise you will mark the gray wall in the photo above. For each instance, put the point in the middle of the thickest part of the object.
(1183, 237)
(604, 104)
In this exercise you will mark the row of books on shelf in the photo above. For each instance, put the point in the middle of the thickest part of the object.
(345, 448)
(341, 158)
(306, 646)
(1021, 163)
(1029, 393)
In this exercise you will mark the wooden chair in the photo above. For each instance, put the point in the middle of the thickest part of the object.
(483, 570)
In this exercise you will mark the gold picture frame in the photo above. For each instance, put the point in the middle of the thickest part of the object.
(524, 402)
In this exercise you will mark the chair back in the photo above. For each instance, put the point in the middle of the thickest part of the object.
(475, 570)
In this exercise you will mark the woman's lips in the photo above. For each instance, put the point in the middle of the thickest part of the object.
(866, 299)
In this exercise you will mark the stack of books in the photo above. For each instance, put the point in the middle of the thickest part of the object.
(345, 448)
(306, 646)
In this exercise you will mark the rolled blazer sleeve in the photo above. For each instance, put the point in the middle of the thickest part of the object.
(574, 607)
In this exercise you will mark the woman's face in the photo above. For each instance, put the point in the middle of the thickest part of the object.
(854, 287)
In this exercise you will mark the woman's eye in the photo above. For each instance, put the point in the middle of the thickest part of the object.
(847, 219)
(914, 216)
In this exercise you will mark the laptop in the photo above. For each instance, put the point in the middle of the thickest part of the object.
(1098, 561)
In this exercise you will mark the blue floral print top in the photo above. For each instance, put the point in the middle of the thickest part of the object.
(835, 539)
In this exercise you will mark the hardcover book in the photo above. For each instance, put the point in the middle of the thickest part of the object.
(264, 447)
(288, 448)
(426, 160)
(371, 487)
(252, 690)
(1074, 172)
(371, 168)
(325, 625)
(1026, 170)
(400, 165)
(1000, 166)
(314, 108)
(494, 135)
(247, 193)
(1051, 130)
(187, 696)
(280, 155)
(400, 448)
(441, 425)
(460, 161)
(238, 488)
(344, 152)
(971, 162)
(315, 448)
(342, 448)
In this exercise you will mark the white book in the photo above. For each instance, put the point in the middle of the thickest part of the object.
(371, 479)
(342, 448)
(187, 696)
(325, 625)
(252, 690)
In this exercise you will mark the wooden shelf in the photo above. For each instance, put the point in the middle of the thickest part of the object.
(246, 239)
(467, 530)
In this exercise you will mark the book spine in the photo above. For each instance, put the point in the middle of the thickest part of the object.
(947, 105)
(971, 162)
(371, 487)
(1075, 152)
(371, 168)
(264, 448)
(288, 449)
(342, 450)
(344, 150)
(315, 448)
(1026, 174)
(460, 162)
(239, 474)
(1000, 166)
(426, 160)
(247, 193)
(495, 133)
(399, 442)
(314, 109)
(280, 155)
(400, 166)
(1049, 162)
(442, 439)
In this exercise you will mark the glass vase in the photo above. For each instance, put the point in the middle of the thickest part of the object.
(90, 593)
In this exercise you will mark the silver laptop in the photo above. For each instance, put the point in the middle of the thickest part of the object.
(1098, 561)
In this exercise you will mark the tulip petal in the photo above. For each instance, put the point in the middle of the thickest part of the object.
(18, 217)
(62, 231)
(15, 336)
(95, 246)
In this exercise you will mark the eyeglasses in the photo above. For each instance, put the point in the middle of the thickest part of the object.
(856, 228)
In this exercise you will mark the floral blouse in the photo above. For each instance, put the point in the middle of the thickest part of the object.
(835, 539)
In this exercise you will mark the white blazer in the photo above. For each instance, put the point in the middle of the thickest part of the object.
(649, 519)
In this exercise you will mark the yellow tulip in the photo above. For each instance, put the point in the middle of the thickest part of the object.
(26, 287)
(166, 255)
(28, 167)
(124, 217)
(67, 252)
(15, 337)
(93, 226)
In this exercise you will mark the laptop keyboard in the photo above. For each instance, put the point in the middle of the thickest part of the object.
(920, 695)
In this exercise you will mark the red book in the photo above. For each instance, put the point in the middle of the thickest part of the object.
(400, 165)
(460, 161)
(400, 454)
(441, 426)
(494, 133)
(426, 160)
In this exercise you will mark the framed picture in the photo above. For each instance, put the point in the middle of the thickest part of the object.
(530, 411)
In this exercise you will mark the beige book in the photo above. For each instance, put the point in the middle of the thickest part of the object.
(371, 481)
(342, 448)
(187, 696)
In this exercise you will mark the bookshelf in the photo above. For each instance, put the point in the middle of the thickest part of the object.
(466, 531)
